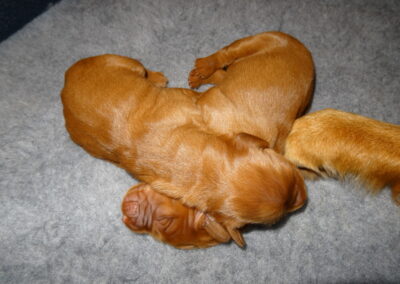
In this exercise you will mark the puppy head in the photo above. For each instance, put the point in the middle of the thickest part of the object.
(168, 220)
(265, 186)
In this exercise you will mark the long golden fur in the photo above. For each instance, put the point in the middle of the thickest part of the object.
(333, 143)
(167, 137)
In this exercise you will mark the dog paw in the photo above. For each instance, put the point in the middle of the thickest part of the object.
(157, 78)
(203, 68)
(195, 79)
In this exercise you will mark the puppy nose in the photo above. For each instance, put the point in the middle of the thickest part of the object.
(130, 208)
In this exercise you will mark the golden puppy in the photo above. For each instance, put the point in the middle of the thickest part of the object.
(337, 144)
(168, 220)
(116, 110)
(263, 83)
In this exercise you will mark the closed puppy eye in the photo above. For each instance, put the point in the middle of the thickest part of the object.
(167, 225)
(164, 221)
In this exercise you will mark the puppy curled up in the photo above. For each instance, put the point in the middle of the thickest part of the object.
(262, 84)
(333, 143)
(119, 111)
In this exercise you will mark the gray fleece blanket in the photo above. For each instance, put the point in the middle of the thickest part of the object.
(60, 219)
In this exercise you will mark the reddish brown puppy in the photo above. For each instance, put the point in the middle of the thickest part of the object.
(116, 110)
(263, 83)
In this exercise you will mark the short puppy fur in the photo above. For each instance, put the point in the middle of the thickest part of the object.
(119, 111)
(262, 84)
(333, 143)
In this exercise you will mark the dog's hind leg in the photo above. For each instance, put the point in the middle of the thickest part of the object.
(217, 77)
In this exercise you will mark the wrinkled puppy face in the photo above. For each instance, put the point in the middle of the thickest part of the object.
(146, 211)
(266, 188)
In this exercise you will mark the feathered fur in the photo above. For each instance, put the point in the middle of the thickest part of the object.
(333, 143)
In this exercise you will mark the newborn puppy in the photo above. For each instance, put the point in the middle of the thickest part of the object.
(168, 220)
(336, 144)
(263, 83)
(116, 110)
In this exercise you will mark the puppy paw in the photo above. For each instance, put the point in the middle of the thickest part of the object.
(157, 78)
(203, 68)
(194, 80)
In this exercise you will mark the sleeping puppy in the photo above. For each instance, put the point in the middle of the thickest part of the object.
(262, 84)
(119, 111)
(333, 143)
(168, 220)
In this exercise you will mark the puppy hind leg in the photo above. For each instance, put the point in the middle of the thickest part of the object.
(217, 77)
(206, 66)
(203, 70)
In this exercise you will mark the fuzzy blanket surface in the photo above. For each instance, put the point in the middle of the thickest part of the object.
(60, 218)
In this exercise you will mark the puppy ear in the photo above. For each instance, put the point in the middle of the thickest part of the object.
(216, 230)
(247, 141)
(237, 237)
(300, 191)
